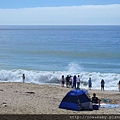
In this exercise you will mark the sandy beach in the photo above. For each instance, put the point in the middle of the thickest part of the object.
(29, 98)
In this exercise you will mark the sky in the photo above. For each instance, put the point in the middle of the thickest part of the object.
(59, 12)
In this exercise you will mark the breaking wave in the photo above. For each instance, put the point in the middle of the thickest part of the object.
(39, 77)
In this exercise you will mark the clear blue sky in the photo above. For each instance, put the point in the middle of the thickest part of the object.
(59, 12)
(52, 3)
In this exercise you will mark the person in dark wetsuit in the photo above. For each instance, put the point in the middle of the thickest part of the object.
(23, 78)
(78, 82)
(102, 84)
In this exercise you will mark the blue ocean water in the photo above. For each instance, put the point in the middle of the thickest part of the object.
(44, 53)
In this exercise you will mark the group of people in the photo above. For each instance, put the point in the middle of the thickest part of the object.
(74, 82)
(95, 99)
(102, 84)
(71, 81)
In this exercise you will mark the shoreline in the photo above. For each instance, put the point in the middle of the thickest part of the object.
(65, 86)
(30, 98)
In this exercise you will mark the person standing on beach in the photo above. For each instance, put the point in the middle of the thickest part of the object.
(67, 80)
(70, 81)
(102, 84)
(119, 85)
(23, 77)
(74, 81)
(63, 81)
(90, 83)
(78, 82)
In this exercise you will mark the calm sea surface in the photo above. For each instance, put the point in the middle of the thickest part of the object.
(44, 53)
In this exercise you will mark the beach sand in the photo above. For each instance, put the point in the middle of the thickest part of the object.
(29, 98)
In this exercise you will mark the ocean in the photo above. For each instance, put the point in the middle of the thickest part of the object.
(45, 53)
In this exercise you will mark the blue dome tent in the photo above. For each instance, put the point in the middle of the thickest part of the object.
(76, 100)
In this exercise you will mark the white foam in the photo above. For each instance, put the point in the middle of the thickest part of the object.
(32, 76)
